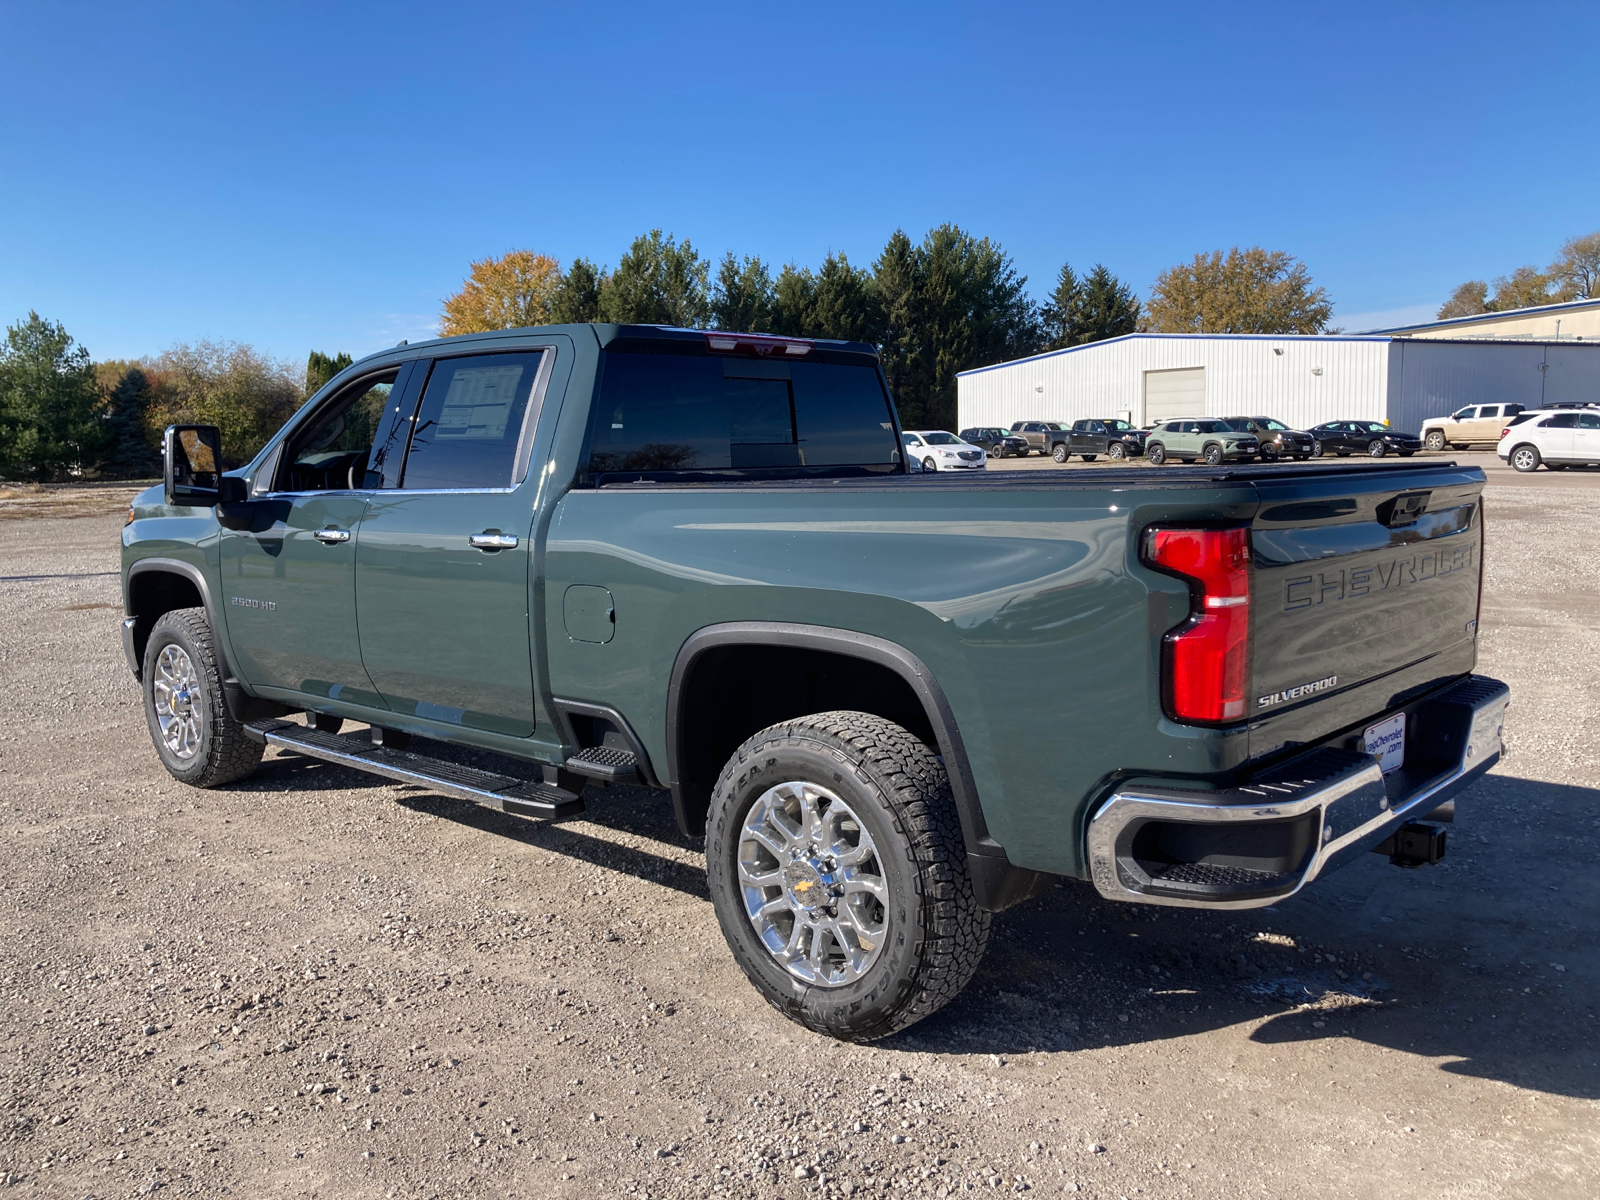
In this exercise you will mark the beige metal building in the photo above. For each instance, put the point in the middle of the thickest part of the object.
(1574, 321)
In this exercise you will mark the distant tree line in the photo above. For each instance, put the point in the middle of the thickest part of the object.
(65, 417)
(947, 303)
(1575, 275)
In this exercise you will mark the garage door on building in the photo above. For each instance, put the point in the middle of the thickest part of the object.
(1180, 393)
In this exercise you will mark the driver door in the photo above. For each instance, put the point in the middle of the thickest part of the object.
(289, 565)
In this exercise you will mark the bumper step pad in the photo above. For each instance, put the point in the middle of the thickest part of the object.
(523, 797)
(605, 763)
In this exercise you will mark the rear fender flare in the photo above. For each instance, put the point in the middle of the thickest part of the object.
(998, 884)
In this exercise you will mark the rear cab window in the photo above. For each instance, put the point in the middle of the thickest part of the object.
(686, 415)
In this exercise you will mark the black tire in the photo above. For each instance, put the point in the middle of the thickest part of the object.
(1060, 453)
(1116, 452)
(1213, 455)
(1156, 453)
(935, 932)
(1433, 440)
(929, 465)
(1317, 449)
(1376, 448)
(221, 753)
(1525, 458)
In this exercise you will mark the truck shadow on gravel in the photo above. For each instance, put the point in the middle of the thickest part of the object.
(1371, 954)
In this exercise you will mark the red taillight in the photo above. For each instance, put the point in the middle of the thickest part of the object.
(1505, 431)
(1206, 660)
(759, 344)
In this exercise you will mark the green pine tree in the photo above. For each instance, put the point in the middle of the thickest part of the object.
(129, 453)
(50, 426)
(577, 298)
(659, 281)
(321, 368)
(742, 300)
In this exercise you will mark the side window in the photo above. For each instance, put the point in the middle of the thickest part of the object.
(1560, 421)
(1589, 420)
(1465, 414)
(330, 453)
(470, 423)
(1491, 410)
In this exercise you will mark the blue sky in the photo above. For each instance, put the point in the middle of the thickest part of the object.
(309, 176)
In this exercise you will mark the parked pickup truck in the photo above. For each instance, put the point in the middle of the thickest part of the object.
(697, 562)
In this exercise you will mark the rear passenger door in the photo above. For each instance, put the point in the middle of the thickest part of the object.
(1586, 445)
(1486, 426)
(443, 567)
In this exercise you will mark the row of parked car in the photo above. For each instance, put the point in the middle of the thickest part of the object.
(1217, 440)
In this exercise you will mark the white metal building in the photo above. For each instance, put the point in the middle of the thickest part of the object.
(1302, 381)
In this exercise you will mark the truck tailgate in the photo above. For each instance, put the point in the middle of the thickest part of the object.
(1360, 577)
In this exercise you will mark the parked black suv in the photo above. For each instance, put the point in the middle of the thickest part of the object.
(998, 442)
(1277, 439)
(1115, 438)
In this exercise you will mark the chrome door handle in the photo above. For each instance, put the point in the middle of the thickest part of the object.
(492, 541)
(331, 536)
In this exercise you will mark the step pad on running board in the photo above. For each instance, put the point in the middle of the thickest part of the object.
(524, 797)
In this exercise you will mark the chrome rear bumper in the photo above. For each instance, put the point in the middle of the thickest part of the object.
(1252, 845)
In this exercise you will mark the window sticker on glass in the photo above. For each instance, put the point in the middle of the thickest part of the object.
(479, 402)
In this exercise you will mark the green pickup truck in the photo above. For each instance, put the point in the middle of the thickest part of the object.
(696, 561)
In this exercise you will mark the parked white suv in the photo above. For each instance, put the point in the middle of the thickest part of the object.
(937, 450)
(1559, 438)
(1474, 423)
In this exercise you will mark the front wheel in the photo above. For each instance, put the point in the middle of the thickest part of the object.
(839, 876)
(1434, 440)
(1156, 453)
(1213, 456)
(1060, 453)
(195, 735)
(1376, 448)
(929, 465)
(1316, 449)
(1116, 452)
(1526, 458)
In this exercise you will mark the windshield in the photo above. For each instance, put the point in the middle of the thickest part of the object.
(1275, 426)
(1118, 426)
(1212, 427)
(941, 439)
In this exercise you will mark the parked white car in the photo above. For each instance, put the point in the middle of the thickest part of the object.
(937, 450)
(1558, 438)
(1474, 423)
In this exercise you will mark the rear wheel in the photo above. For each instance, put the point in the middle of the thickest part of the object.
(1316, 449)
(1060, 454)
(195, 735)
(1156, 453)
(1116, 452)
(839, 876)
(1433, 440)
(1376, 448)
(1526, 458)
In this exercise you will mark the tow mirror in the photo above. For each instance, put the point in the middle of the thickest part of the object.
(192, 465)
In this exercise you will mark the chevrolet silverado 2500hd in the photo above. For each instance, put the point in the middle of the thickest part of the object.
(697, 561)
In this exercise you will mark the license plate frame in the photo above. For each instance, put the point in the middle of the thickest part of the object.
(1385, 740)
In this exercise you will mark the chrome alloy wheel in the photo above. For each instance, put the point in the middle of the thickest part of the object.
(178, 699)
(812, 884)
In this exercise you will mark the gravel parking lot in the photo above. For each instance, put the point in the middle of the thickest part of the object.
(320, 983)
